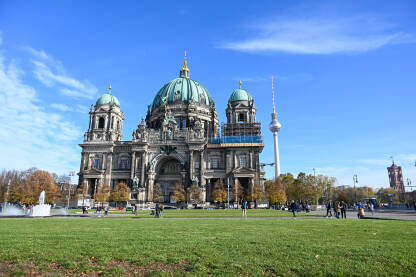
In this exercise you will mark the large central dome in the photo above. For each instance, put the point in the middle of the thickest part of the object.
(183, 90)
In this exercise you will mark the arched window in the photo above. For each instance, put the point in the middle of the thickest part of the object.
(101, 123)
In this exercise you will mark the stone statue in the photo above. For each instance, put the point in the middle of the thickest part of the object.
(136, 182)
(169, 134)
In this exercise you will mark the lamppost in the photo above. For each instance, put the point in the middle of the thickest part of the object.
(314, 180)
(71, 174)
(228, 194)
(355, 180)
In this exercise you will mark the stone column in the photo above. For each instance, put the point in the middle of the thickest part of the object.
(251, 163)
(90, 126)
(109, 169)
(203, 191)
(191, 164)
(133, 165)
(151, 181)
(202, 166)
(143, 168)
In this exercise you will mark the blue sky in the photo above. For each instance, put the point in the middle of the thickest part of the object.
(346, 75)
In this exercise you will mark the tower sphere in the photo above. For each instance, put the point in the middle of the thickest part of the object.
(275, 125)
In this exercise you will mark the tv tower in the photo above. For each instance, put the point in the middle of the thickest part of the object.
(275, 128)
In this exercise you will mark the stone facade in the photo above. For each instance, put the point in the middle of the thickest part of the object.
(179, 141)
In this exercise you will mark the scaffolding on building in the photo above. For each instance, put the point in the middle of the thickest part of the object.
(239, 133)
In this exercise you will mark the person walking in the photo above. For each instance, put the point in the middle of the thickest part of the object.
(135, 210)
(328, 209)
(343, 209)
(106, 210)
(338, 209)
(158, 211)
(293, 207)
(371, 207)
(244, 207)
(360, 213)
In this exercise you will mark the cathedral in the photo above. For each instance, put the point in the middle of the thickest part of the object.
(179, 141)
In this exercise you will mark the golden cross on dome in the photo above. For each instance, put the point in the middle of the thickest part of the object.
(109, 89)
(185, 66)
(239, 82)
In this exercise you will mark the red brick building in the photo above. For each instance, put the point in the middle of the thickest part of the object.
(396, 177)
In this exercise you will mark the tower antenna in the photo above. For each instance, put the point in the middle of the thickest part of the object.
(274, 109)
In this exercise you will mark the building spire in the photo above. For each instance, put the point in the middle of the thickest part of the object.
(184, 73)
(239, 82)
(109, 89)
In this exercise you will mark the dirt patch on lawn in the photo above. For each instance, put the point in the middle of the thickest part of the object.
(132, 269)
(112, 268)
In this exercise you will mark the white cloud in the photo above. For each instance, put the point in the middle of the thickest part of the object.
(52, 74)
(82, 109)
(32, 136)
(61, 107)
(320, 36)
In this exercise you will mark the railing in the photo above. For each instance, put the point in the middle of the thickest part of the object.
(237, 139)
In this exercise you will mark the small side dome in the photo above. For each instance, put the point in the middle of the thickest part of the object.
(240, 95)
(108, 99)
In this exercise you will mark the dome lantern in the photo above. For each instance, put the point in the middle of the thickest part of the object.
(184, 73)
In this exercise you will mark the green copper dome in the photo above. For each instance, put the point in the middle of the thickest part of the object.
(182, 91)
(240, 95)
(107, 99)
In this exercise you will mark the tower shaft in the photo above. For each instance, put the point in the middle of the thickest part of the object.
(276, 155)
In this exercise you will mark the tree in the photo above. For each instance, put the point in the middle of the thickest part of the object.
(179, 194)
(27, 189)
(195, 194)
(219, 194)
(121, 193)
(275, 192)
(102, 196)
(237, 191)
(157, 193)
(388, 195)
(256, 194)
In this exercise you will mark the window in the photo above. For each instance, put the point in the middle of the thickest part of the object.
(196, 164)
(97, 164)
(215, 162)
(241, 117)
(243, 161)
(183, 123)
(124, 163)
(101, 123)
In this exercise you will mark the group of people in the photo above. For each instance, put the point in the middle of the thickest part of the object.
(339, 208)
(297, 207)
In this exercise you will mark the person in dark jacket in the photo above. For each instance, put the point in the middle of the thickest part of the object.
(244, 207)
(158, 211)
(293, 207)
(343, 209)
(328, 209)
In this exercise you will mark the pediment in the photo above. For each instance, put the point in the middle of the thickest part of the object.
(242, 170)
(93, 171)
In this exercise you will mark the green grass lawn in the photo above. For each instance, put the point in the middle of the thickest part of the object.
(208, 213)
(201, 247)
